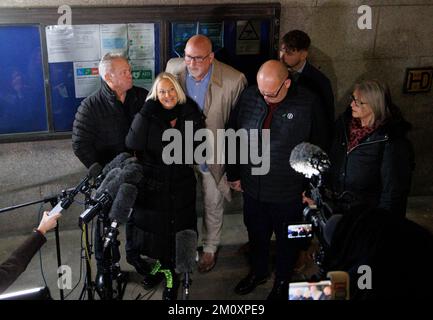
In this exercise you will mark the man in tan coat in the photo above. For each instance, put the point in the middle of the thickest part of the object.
(216, 88)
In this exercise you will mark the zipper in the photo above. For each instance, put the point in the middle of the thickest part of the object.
(360, 144)
(367, 143)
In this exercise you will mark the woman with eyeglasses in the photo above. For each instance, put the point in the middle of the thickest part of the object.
(166, 199)
(371, 155)
(372, 158)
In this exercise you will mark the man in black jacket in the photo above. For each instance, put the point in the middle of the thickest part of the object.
(102, 123)
(293, 53)
(18, 261)
(273, 200)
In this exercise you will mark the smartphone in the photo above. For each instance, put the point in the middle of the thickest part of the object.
(321, 290)
(303, 230)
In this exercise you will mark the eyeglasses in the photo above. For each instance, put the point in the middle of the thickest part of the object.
(274, 95)
(169, 91)
(358, 103)
(188, 58)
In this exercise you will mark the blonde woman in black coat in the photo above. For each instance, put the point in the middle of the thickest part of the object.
(166, 199)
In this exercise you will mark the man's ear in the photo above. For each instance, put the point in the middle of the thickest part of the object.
(304, 54)
(287, 83)
(211, 57)
(107, 78)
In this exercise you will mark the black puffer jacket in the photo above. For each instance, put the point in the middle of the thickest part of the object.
(167, 194)
(102, 123)
(298, 118)
(378, 170)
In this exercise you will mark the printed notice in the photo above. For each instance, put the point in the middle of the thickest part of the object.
(73, 43)
(86, 78)
(114, 38)
(60, 43)
(141, 40)
(143, 73)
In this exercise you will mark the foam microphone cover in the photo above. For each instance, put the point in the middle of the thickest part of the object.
(186, 247)
(133, 173)
(94, 170)
(122, 204)
(117, 162)
(109, 178)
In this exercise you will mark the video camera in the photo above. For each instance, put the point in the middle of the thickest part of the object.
(319, 220)
(313, 163)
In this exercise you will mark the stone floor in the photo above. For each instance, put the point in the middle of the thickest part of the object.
(218, 284)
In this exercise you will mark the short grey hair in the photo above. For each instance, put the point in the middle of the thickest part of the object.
(106, 62)
(153, 94)
(374, 93)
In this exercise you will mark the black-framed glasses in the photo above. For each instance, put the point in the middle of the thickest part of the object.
(358, 103)
(189, 58)
(274, 95)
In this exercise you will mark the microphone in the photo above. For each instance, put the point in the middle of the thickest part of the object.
(123, 203)
(116, 162)
(186, 246)
(309, 159)
(123, 160)
(104, 195)
(120, 210)
(93, 172)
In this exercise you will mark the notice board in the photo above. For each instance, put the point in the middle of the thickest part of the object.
(48, 69)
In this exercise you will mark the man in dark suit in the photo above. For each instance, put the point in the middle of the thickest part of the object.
(293, 53)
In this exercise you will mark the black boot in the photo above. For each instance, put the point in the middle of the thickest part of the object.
(149, 280)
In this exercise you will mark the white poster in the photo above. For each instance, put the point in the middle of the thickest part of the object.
(86, 43)
(60, 43)
(86, 78)
(143, 73)
(73, 43)
(141, 39)
(114, 38)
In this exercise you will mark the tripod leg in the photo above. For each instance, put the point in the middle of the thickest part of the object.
(59, 258)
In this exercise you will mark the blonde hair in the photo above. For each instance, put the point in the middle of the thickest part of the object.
(374, 93)
(153, 94)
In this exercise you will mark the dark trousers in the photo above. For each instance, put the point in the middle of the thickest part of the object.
(264, 218)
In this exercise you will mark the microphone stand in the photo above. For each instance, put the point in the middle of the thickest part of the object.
(53, 200)
(186, 284)
(89, 284)
(111, 263)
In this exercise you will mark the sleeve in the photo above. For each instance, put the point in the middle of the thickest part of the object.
(84, 135)
(11, 269)
(233, 169)
(396, 174)
(137, 135)
(241, 84)
(320, 130)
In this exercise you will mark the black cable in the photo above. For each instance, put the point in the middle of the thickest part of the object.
(40, 250)
(81, 268)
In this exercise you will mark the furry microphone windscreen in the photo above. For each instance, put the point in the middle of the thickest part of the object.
(122, 204)
(186, 247)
